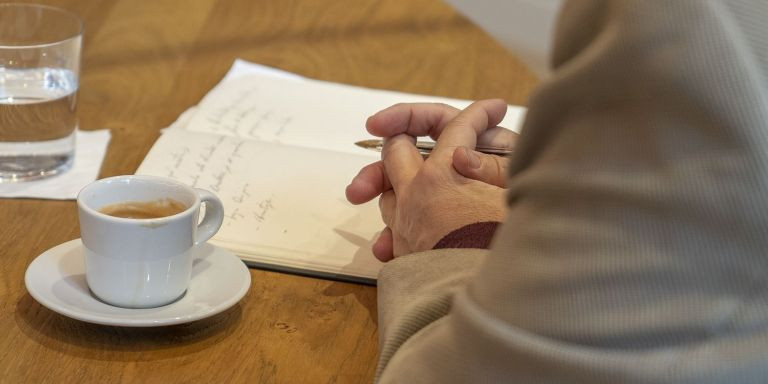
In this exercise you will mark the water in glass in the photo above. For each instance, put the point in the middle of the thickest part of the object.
(37, 121)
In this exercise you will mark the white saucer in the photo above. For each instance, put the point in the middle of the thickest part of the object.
(56, 279)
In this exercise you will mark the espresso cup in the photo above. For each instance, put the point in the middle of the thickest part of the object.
(143, 262)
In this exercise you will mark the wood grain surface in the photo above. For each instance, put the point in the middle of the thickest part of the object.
(145, 62)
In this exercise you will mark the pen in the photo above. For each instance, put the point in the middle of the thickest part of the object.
(425, 147)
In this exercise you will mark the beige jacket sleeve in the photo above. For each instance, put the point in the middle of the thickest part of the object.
(636, 246)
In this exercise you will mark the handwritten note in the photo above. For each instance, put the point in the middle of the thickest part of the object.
(307, 113)
(278, 200)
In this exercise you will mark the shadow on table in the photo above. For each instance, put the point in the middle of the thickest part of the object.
(366, 298)
(102, 342)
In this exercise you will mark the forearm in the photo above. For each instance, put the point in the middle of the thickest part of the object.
(416, 290)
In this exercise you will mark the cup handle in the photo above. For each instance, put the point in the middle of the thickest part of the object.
(214, 216)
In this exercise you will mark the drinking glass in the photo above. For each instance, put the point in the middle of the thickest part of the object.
(39, 77)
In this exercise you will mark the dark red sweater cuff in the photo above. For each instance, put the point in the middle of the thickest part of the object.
(476, 235)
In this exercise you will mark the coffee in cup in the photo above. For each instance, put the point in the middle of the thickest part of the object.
(138, 236)
(144, 209)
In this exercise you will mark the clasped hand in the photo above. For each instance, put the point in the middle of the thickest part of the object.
(422, 200)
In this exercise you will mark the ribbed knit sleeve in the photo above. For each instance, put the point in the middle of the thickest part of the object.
(636, 244)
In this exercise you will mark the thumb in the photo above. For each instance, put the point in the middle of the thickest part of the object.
(490, 169)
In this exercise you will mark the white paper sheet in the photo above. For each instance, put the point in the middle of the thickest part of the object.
(309, 113)
(242, 68)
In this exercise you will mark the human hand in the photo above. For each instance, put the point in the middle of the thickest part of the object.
(447, 172)
(429, 119)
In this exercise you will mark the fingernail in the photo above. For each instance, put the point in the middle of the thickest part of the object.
(473, 158)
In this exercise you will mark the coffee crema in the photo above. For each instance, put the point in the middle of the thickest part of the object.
(144, 209)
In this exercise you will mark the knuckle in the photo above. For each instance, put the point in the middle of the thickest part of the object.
(383, 200)
(498, 168)
(443, 106)
(401, 105)
(500, 171)
(387, 202)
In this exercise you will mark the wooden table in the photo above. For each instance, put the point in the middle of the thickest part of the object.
(145, 62)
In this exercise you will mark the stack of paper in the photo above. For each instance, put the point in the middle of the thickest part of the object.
(278, 150)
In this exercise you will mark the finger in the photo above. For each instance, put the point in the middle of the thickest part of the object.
(490, 169)
(387, 207)
(401, 160)
(370, 182)
(382, 247)
(415, 119)
(498, 137)
(463, 130)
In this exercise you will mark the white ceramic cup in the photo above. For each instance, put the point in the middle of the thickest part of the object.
(143, 263)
